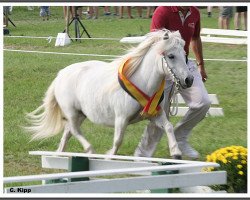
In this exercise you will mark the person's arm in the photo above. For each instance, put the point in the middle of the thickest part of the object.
(196, 46)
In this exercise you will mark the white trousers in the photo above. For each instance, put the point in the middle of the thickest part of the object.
(196, 98)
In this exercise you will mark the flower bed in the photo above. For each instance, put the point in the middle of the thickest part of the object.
(233, 160)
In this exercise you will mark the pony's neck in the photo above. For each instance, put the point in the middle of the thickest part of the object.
(148, 77)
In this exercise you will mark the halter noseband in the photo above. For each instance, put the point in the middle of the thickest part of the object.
(175, 79)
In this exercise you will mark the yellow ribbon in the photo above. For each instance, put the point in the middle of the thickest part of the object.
(150, 104)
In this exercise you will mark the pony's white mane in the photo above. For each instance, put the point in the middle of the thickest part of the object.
(153, 40)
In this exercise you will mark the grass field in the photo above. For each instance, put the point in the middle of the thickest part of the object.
(28, 75)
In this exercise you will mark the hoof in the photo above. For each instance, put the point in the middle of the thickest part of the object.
(177, 157)
(90, 150)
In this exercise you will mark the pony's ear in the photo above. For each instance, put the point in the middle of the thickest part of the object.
(166, 36)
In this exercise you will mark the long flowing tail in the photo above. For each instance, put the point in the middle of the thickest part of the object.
(47, 120)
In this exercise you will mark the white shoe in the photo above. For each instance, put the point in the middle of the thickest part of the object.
(187, 150)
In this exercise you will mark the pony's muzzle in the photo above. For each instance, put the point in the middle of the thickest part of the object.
(189, 81)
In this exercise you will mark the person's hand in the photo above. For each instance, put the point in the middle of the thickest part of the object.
(203, 73)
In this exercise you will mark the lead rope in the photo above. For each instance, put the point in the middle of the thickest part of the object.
(174, 102)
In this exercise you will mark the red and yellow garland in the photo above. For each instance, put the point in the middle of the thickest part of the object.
(150, 104)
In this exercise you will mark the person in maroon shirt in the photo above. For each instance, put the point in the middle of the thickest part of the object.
(186, 20)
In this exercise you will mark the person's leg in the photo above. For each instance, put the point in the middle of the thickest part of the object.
(65, 12)
(245, 20)
(151, 137)
(153, 134)
(139, 9)
(149, 8)
(237, 17)
(209, 11)
(106, 10)
(129, 12)
(79, 12)
(42, 12)
(6, 16)
(72, 10)
(220, 22)
(47, 12)
(227, 23)
(229, 16)
(121, 11)
(96, 8)
(197, 99)
(90, 12)
(116, 10)
(224, 23)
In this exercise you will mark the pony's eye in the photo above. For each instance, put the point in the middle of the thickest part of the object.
(171, 56)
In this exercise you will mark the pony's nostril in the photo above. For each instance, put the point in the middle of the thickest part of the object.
(189, 81)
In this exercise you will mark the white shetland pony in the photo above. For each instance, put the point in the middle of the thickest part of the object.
(91, 90)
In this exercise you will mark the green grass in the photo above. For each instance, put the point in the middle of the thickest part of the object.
(27, 77)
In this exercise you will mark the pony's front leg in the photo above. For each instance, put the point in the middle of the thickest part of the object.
(120, 127)
(162, 122)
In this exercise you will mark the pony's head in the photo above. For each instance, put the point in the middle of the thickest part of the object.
(171, 47)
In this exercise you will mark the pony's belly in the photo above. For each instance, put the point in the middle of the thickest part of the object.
(109, 123)
(104, 123)
(103, 117)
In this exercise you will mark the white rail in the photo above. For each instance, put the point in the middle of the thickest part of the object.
(103, 172)
(211, 31)
(103, 156)
(189, 175)
(240, 37)
(130, 184)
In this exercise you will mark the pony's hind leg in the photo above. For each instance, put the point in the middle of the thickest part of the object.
(75, 122)
(120, 126)
(65, 138)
